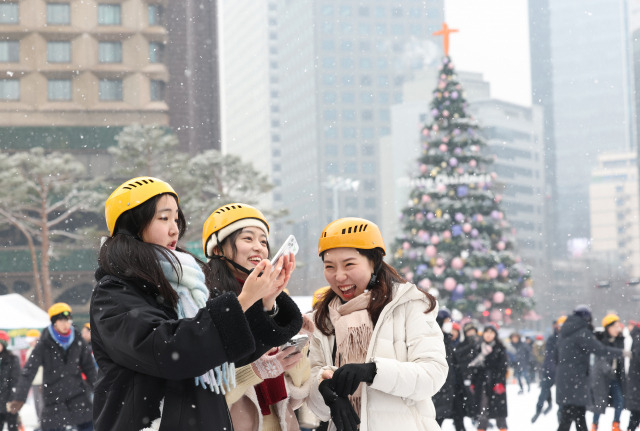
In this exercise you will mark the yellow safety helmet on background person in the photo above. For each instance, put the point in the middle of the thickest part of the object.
(351, 232)
(318, 295)
(561, 320)
(609, 319)
(32, 333)
(59, 310)
(226, 220)
(130, 194)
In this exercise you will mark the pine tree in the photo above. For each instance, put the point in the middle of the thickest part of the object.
(456, 242)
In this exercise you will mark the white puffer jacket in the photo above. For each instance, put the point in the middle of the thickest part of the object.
(408, 349)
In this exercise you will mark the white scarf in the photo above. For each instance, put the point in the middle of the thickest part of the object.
(192, 296)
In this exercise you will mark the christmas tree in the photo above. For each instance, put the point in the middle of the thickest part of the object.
(456, 242)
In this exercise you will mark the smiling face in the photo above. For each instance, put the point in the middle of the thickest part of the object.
(163, 229)
(251, 246)
(347, 271)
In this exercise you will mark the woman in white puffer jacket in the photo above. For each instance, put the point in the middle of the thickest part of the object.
(377, 355)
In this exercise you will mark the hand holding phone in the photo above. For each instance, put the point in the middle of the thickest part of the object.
(289, 246)
(297, 343)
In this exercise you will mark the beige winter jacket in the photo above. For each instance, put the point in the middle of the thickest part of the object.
(408, 349)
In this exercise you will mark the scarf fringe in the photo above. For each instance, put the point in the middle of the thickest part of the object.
(192, 296)
(353, 348)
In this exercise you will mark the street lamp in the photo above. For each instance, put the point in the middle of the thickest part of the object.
(339, 183)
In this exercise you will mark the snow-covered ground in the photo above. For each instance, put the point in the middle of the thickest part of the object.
(521, 409)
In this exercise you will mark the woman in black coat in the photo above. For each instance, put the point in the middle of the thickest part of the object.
(9, 373)
(575, 344)
(489, 381)
(632, 394)
(166, 343)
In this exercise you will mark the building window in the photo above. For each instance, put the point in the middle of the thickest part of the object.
(9, 13)
(58, 14)
(9, 89)
(349, 114)
(155, 14)
(350, 168)
(58, 52)
(59, 89)
(156, 50)
(156, 91)
(368, 168)
(110, 89)
(9, 51)
(349, 150)
(331, 150)
(367, 115)
(110, 52)
(349, 133)
(109, 14)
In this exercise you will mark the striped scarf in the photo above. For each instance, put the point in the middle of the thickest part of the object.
(192, 296)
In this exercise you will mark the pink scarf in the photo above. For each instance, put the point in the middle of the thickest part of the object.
(353, 328)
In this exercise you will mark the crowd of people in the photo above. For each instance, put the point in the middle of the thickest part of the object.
(179, 343)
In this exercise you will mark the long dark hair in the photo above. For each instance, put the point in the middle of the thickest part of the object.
(126, 256)
(383, 288)
(220, 274)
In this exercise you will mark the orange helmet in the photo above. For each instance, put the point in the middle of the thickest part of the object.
(351, 232)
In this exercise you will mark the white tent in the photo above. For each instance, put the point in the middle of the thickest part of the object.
(17, 312)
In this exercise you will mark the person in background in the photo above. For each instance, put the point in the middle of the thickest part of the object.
(85, 332)
(521, 362)
(464, 353)
(632, 394)
(60, 352)
(33, 336)
(548, 372)
(489, 380)
(235, 238)
(576, 343)
(166, 339)
(455, 334)
(445, 400)
(537, 355)
(9, 374)
(377, 354)
(607, 375)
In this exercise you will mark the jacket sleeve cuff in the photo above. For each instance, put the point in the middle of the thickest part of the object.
(233, 328)
(274, 331)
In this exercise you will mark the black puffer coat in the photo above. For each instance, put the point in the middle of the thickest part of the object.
(464, 353)
(9, 375)
(444, 399)
(491, 378)
(64, 392)
(146, 355)
(575, 344)
(603, 370)
(632, 394)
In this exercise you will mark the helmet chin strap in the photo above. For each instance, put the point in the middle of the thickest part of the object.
(374, 278)
(235, 265)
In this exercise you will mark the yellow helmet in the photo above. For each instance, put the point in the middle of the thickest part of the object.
(132, 193)
(59, 308)
(318, 295)
(351, 232)
(33, 333)
(226, 220)
(561, 320)
(609, 319)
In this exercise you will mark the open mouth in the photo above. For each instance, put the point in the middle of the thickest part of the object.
(254, 260)
(172, 245)
(348, 292)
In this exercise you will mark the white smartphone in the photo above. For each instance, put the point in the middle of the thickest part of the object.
(290, 245)
(298, 342)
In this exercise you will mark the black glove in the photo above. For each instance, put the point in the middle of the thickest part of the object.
(347, 378)
(343, 415)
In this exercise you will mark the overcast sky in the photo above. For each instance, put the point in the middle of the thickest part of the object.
(493, 39)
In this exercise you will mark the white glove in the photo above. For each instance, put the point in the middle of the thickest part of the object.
(486, 349)
(270, 366)
(478, 361)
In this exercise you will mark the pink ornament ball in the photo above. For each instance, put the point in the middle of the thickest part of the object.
(492, 273)
(466, 228)
(446, 235)
(438, 270)
(496, 315)
(423, 168)
(477, 273)
(435, 240)
(409, 276)
(440, 262)
(406, 245)
(449, 283)
(441, 188)
(426, 199)
(473, 163)
(498, 198)
(443, 148)
(527, 292)
(498, 297)
(504, 273)
(457, 263)
(424, 284)
(419, 217)
(479, 218)
(431, 251)
(500, 245)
